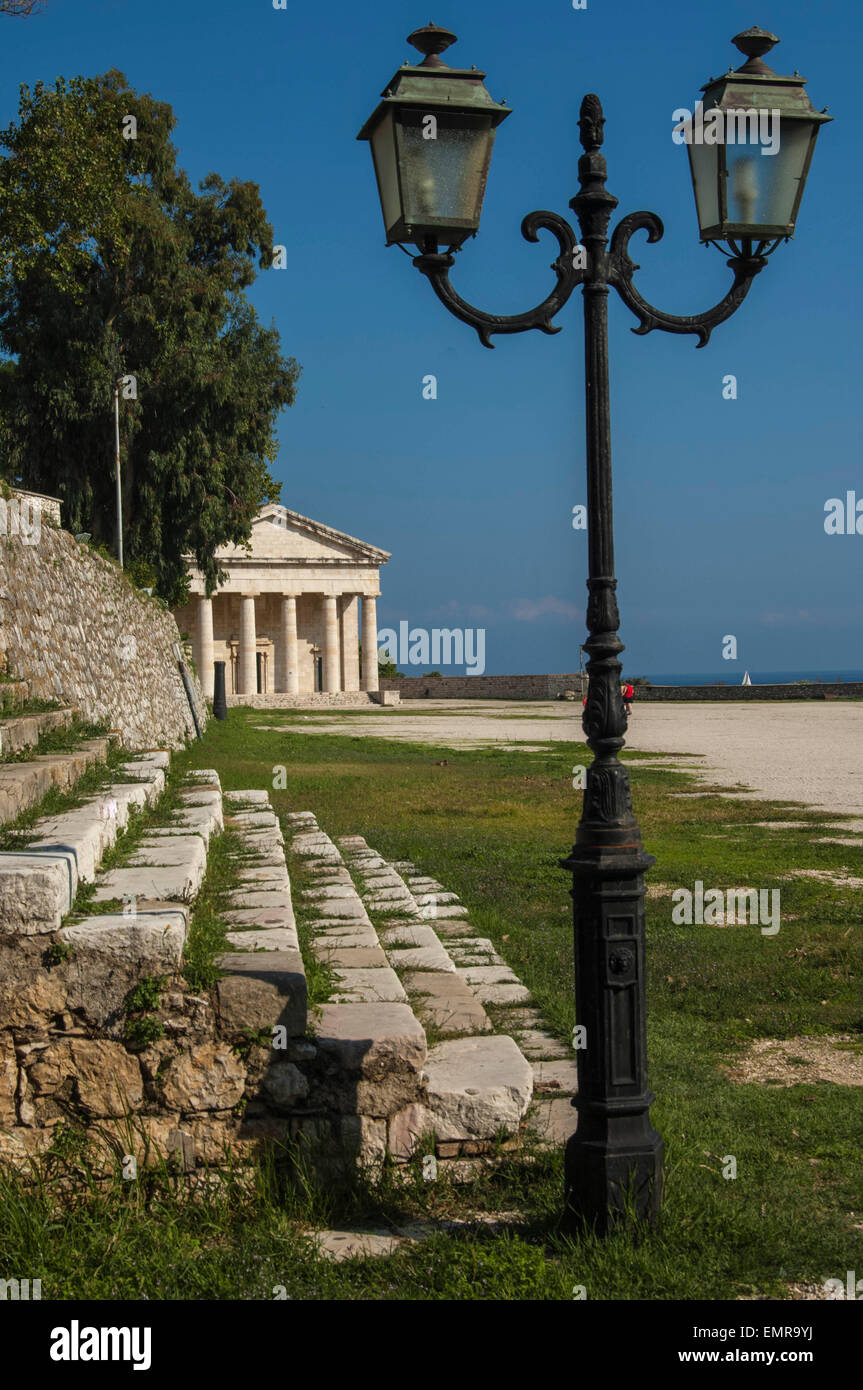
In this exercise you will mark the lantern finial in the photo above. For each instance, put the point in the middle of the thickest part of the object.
(754, 43)
(431, 40)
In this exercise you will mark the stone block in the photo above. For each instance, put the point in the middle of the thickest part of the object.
(352, 957)
(254, 797)
(561, 1077)
(268, 939)
(408, 934)
(406, 1128)
(422, 958)
(112, 953)
(173, 883)
(37, 889)
(209, 1077)
(364, 1138)
(359, 986)
(477, 1087)
(553, 1120)
(263, 991)
(374, 1054)
(271, 918)
(285, 1085)
(99, 1077)
(446, 1002)
(8, 1082)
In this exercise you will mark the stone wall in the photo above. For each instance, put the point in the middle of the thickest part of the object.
(542, 687)
(77, 631)
(808, 690)
(550, 687)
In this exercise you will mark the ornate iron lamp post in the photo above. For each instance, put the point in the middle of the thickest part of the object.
(431, 191)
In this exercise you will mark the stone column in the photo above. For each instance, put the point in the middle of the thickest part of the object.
(204, 645)
(350, 641)
(332, 665)
(370, 642)
(248, 646)
(288, 657)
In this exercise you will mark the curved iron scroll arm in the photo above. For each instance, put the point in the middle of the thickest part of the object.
(435, 266)
(621, 270)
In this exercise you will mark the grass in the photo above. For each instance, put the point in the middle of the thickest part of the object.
(491, 825)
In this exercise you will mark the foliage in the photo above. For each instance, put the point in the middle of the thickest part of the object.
(112, 266)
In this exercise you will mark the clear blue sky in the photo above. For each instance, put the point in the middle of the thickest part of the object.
(719, 505)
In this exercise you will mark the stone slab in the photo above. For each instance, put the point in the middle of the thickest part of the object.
(409, 934)
(172, 883)
(261, 917)
(37, 889)
(351, 957)
(502, 994)
(171, 851)
(488, 975)
(361, 986)
(477, 1087)
(553, 1120)
(560, 1077)
(421, 958)
(535, 1043)
(112, 953)
(245, 898)
(260, 992)
(445, 1001)
(238, 798)
(266, 939)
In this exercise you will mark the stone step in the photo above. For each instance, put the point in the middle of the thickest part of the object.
(24, 730)
(112, 953)
(488, 1086)
(477, 1088)
(38, 883)
(22, 785)
(265, 984)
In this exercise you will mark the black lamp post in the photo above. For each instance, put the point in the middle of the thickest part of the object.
(431, 139)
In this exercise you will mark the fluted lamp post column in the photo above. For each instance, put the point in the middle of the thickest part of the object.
(431, 139)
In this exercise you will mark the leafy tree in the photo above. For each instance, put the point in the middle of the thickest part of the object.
(21, 6)
(112, 266)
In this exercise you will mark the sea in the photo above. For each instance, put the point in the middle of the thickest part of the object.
(735, 676)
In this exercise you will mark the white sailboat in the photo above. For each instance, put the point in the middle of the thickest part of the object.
(746, 680)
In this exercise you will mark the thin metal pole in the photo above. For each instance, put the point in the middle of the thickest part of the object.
(117, 460)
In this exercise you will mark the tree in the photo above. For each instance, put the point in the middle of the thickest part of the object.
(21, 6)
(112, 266)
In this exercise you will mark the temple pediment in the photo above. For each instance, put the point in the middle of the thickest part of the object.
(282, 535)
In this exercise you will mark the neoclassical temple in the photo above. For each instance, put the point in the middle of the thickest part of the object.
(287, 618)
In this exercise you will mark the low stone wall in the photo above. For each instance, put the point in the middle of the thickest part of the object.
(550, 687)
(343, 699)
(543, 687)
(76, 630)
(807, 690)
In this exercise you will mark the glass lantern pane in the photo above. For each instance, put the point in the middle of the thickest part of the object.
(704, 164)
(762, 187)
(384, 154)
(443, 175)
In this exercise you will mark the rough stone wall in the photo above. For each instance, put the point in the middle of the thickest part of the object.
(75, 628)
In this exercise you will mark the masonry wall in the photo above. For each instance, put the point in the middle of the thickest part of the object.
(77, 631)
(549, 687)
(543, 687)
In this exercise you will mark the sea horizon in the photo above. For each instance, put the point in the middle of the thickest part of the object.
(756, 676)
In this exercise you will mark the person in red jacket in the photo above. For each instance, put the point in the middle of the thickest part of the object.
(627, 692)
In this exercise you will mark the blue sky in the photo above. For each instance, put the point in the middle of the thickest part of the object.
(719, 505)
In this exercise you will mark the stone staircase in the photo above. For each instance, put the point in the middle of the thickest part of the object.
(246, 1060)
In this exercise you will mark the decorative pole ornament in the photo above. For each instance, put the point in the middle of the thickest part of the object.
(614, 1158)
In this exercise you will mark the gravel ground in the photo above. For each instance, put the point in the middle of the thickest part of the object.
(809, 752)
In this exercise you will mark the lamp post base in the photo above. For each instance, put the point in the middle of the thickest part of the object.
(613, 1167)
